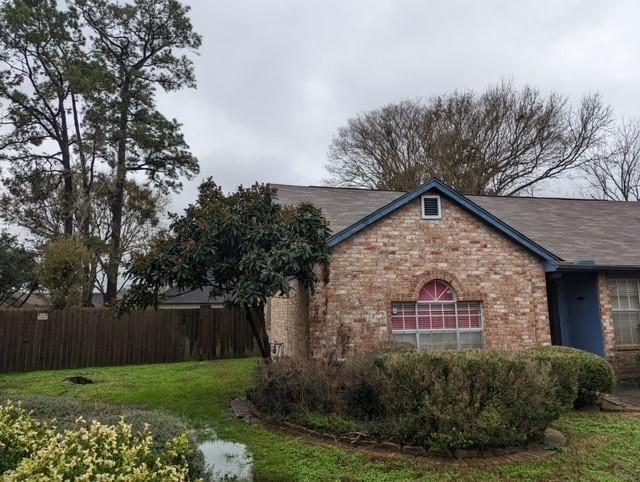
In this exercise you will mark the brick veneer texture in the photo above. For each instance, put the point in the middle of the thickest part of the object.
(288, 322)
(392, 259)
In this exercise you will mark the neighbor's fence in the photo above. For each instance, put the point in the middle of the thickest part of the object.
(37, 340)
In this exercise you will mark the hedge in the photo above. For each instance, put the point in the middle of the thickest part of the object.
(441, 401)
(580, 375)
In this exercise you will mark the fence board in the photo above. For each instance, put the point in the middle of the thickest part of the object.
(94, 337)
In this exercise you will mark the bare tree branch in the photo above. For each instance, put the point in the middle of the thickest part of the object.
(502, 141)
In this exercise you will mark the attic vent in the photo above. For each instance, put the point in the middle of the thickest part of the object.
(431, 207)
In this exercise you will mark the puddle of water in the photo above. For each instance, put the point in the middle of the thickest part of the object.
(226, 460)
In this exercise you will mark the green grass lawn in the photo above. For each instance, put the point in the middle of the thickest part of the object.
(601, 446)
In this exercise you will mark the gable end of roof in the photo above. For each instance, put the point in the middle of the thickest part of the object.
(455, 196)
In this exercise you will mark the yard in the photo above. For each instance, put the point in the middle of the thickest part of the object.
(601, 446)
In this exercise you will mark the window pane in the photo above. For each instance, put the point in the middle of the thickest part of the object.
(405, 338)
(444, 340)
(424, 316)
(626, 327)
(469, 315)
(625, 301)
(403, 316)
(449, 316)
(627, 291)
(471, 339)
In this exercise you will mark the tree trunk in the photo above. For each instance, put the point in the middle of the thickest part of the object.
(67, 175)
(85, 207)
(118, 196)
(259, 328)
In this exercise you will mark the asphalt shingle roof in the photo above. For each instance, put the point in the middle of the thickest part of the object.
(575, 230)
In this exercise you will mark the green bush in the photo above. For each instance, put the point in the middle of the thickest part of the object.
(38, 410)
(20, 435)
(580, 374)
(359, 386)
(473, 399)
(439, 400)
(94, 451)
(288, 386)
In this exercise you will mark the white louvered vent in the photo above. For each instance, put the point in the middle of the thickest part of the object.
(431, 208)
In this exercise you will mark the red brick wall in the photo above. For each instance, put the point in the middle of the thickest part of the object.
(391, 260)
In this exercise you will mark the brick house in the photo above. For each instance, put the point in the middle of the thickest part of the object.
(438, 269)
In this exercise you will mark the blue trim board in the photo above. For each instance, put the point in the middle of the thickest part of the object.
(551, 267)
(455, 196)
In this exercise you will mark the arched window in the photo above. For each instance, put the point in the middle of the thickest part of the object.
(436, 320)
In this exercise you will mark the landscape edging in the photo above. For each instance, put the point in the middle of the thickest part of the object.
(554, 440)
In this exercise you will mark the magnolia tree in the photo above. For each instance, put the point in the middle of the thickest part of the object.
(243, 246)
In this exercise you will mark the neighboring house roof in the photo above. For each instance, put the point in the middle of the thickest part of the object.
(173, 296)
(33, 300)
(605, 233)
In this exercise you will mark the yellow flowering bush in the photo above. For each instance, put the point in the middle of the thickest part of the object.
(20, 435)
(92, 451)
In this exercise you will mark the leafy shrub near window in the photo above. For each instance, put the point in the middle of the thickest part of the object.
(581, 375)
(477, 399)
(439, 400)
(88, 451)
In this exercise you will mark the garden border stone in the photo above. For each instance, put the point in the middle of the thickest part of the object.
(554, 440)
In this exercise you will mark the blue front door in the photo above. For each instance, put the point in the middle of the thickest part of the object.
(577, 311)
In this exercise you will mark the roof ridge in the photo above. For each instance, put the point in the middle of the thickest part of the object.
(494, 196)
(553, 198)
(351, 188)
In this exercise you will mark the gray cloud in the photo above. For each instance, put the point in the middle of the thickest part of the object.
(277, 78)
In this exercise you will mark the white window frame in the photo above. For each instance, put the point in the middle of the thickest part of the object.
(457, 330)
(624, 310)
(430, 196)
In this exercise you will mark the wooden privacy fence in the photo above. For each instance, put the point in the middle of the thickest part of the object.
(39, 340)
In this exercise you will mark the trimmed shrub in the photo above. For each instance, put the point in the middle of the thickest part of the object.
(288, 386)
(579, 373)
(463, 400)
(359, 387)
(439, 400)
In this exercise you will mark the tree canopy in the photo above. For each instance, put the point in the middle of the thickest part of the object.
(500, 141)
(243, 246)
(17, 271)
(62, 271)
(615, 173)
(78, 86)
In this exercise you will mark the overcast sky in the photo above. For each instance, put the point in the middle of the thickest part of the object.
(276, 79)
